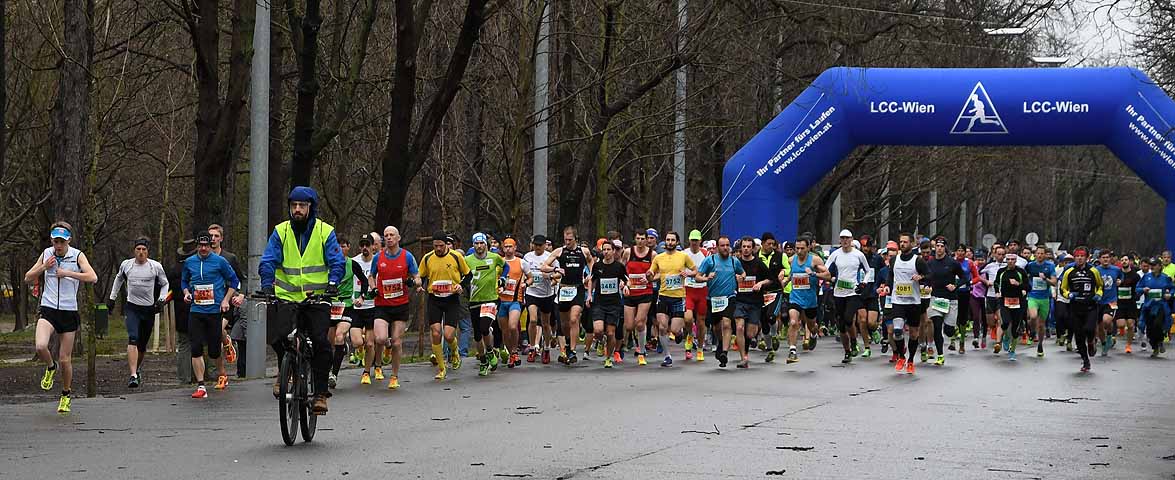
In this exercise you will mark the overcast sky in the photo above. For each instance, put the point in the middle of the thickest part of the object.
(1103, 34)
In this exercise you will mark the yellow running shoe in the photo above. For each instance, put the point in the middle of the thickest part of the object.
(221, 382)
(47, 379)
(387, 356)
(640, 360)
(440, 374)
(379, 373)
(394, 383)
(701, 356)
(689, 342)
(365, 379)
(63, 404)
(455, 361)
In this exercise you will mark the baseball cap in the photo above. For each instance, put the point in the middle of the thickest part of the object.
(617, 243)
(710, 244)
(59, 232)
(695, 235)
(891, 245)
(509, 242)
(539, 240)
(142, 241)
(846, 233)
(203, 238)
(652, 232)
(866, 240)
(600, 242)
(758, 243)
(479, 237)
(856, 244)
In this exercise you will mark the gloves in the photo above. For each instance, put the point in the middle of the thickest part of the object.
(110, 305)
(332, 291)
(157, 307)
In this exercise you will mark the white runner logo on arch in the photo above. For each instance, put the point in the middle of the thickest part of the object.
(979, 116)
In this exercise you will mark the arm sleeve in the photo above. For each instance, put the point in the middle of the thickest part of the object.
(1064, 283)
(356, 267)
(975, 278)
(1098, 285)
(119, 278)
(334, 259)
(161, 279)
(270, 259)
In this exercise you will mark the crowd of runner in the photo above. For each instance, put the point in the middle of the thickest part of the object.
(915, 298)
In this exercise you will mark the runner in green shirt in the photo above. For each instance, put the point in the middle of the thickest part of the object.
(486, 268)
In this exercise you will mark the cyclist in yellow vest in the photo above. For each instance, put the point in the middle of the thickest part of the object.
(303, 258)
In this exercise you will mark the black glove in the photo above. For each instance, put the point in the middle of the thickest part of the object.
(332, 291)
(110, 305)
(158, 307)
(266, 291)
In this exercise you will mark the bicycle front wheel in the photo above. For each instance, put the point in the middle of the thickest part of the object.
(288, 402)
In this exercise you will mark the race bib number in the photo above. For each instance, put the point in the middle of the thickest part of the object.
(801, 282)
(672, 282)
(747, 284)
(843, 284)
(1124, 292)
(567, 293)
(539, 280)
(691, 283)
(638, 282)
(442, 288)
(924, 290)
(889, 301)
(719, 304)
(336, 310)
(870, 275)
(609, 286)
(488, 310)
(511, 287)
(1154, 294)
(1012, 302)
(904, 289)
(940, 305)
(392, 288)
(1039, 284)
(769, 298)
(203, 295)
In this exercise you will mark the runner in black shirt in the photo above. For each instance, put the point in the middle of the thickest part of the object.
(609, 279)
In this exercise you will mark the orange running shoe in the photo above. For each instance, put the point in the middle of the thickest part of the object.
(901, 364)
(1128, 349)
(910, 368)
(616, 358)
(991, 331)
(230, 352)
(221, 382)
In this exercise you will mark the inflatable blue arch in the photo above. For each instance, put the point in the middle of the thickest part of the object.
(844, 107)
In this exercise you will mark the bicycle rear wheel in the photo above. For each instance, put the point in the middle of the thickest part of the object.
(309, 421)
(288, 405)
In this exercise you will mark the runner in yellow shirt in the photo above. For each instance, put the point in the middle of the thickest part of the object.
(669, 268)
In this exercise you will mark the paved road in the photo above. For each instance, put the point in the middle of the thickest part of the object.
(977, 417)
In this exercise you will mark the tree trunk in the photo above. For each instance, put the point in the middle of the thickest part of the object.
(3, 88)
(302, 164)
(217, 121)
(279, 173)
(405, 152)
(71, 116)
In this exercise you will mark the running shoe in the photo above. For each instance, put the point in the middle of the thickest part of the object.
(599, 349)
(743, 364)
(546, 356)
(775, 343)
(1154, 354)
(770, 356)
(701, 356)
(901, 365)
(792, 356)
(432, 358)
(762, 344)
(607, 363)
(563, 357)
(689, 355)
(855, 351)
(1011, 355)
(134, 382)
(493, 360)
(668, 362)
(1085, 369)
(572, 358)
(660, 348)
(910, 368)
(354, 359)
(640, 359)
(940, 360)
(848, 358)
(64, 402)
(455, 361)
(230, 352)
(983, 344)
(1005, 344)
(1068, 346)
(616, 358)
(387, 356)
(996, 348)
(924, 356)
(221, 382)
(885, 348)
(530, 356)
(379, 373)
(47, 378)
(1128, 349)
(893, 358)
(975, 344)
(582, 336)
(721, 359)
(1040, 350)
(868, 353)
(365, 379)
(515, 360)
(962, 351)
(440, 374)
(200, 392)
(876, 336)
(951, 347)
(689, 342)
(483, 368)
(394, 383)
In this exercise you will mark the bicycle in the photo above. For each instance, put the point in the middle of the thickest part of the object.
(295, 376)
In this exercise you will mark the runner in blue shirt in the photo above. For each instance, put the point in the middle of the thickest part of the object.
(1111, 277)
(720, 272)
(1042, 274)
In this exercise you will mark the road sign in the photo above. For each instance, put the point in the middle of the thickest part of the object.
(1031, 238)
(988, 241)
